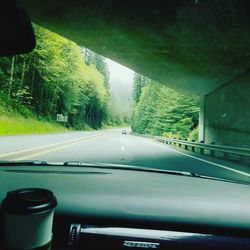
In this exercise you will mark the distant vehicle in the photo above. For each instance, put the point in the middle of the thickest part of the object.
(124, 132)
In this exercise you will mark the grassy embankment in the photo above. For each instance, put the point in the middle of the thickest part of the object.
(16, 124)
(12, 123)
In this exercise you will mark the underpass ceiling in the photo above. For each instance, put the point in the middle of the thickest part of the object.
(190, 45)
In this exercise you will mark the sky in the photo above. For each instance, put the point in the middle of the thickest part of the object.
(121, 86)
(118, 71)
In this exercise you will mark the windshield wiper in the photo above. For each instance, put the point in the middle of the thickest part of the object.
(92, 165)
(147, 169)
(23, 163)
(115, 167)
(124, 167)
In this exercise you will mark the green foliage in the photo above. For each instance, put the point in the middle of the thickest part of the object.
(11, 123)
(171, 135)
(55, 79)
(193, 135)
(92, 58)
(161, 110)
(139, 82)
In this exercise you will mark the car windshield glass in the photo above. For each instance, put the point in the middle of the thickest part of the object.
(163, 85)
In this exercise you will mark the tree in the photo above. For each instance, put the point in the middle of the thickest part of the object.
(139, 82)
(55, 79)
(160, 109)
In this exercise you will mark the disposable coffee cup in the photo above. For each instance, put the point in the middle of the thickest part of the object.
(28, 218)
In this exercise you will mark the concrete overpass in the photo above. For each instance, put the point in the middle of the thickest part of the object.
(200, 47)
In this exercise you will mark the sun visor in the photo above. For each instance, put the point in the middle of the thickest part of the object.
(17, 36)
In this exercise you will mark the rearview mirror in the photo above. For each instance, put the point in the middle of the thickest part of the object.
(16, 30)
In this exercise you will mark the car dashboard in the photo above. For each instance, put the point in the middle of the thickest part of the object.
(106, 208)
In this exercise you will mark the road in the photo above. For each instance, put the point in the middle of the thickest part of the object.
(111, 146)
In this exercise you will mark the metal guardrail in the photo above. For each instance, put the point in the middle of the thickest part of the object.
(212, 148)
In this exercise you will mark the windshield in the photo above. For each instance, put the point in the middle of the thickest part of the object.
(161, 86)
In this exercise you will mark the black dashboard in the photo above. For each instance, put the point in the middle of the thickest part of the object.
(123, 209)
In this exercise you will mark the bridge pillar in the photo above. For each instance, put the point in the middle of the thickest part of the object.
(225, 114)
(201, 119)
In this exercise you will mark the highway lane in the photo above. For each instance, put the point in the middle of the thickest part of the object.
(22, 142)
(111, 146)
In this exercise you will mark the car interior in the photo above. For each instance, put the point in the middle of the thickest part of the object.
(112, 207)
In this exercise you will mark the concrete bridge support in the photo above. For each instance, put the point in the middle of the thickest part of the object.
(225, 114)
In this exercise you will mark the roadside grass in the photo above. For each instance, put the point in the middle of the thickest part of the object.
(13, 124)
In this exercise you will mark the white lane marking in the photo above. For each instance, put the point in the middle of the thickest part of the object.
(123, 160)
(54, 149)
(209, 162)
(42, 147)
(122, 148)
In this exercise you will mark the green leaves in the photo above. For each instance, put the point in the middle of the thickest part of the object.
(162, 110)
(55, 79)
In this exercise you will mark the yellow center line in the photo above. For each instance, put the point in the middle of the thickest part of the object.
(55, 149)
(42, 147)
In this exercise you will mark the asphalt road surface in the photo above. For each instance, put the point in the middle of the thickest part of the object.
(111, 146)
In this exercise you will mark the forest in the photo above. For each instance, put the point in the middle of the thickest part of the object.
(58, 77)
(159, 110)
